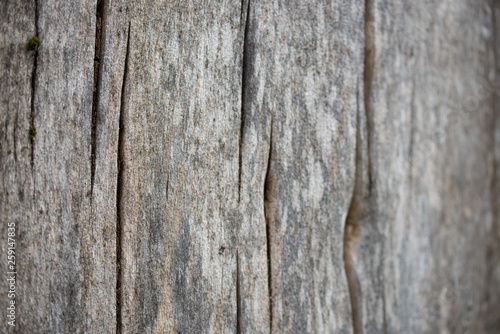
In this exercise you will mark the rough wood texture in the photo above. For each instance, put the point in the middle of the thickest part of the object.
(422, 211)
(302, 77)
(16, 193)
(53, 205)
(251, 166)
(179, 167)
(53, 254)
(109, 68)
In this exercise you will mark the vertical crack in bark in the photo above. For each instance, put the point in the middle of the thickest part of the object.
(32, 130)
(368, 81)
(245, 13)
(119, 191)
(16, 120)
(267, 214)
(352, 228)
(243, 90)
(95, 89)
(359, 208)
(238, 298)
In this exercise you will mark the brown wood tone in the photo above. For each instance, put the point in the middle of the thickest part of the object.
(250, 166)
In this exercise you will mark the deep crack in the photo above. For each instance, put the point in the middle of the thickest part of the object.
(267, 191)
(32, 129)
(119, 191)
(351, 227)
(243, 93)
(95, 89)
(363, 184)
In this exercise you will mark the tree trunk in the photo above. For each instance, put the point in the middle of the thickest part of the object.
(250, 166)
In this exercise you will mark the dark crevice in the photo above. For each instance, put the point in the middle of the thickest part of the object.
(32, 130)
(16, 120)
(368, 81)
(351, 228)
(243, 90)
(245, 12)
(238, 298)
(363, 171)
(96, 88)
(267, 209)
(119, 191)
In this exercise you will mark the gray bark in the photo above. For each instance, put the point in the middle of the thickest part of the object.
(422, 210)
(301, 99)
(251, 166)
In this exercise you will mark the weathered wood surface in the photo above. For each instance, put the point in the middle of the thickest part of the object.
(179, 167)
(251, 166)
(422, 211)
(303, 72)
(111, 40)
(16, 194)
(46, 181)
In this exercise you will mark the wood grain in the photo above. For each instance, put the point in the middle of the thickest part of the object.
(250, 166)
(302, 80)
(17, 27)
(178, 200)
(54, 188)
(422, 210)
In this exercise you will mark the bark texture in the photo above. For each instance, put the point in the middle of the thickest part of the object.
(422, 209)
(302, 80)
(251, 166)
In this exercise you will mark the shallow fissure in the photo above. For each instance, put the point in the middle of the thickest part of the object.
(119, 192)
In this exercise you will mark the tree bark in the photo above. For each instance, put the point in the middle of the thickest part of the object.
(250, 166)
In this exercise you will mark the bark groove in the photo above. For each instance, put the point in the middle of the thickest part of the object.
(32, 130)
(351, 230)
(99, 40)
(368, 70)
(119, 190)
(267, 214)
(244, 79)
